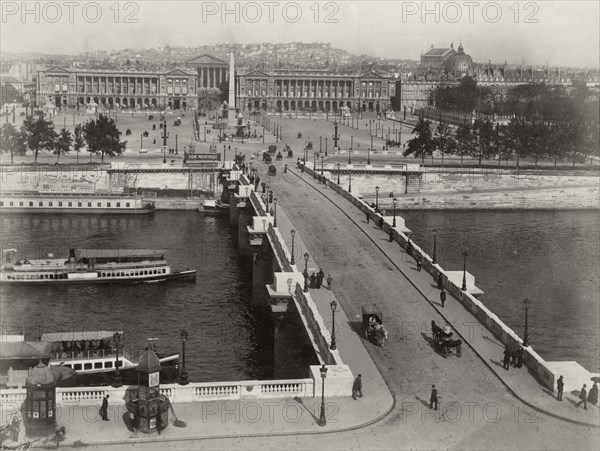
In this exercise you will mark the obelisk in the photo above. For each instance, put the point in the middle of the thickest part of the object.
(231, 102)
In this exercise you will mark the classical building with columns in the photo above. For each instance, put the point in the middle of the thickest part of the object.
(313, 90)
(128, 89)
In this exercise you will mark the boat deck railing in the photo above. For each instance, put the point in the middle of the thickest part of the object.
(126, 352)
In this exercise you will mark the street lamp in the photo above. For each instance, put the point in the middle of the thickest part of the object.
(224, 154)
(350, 151)
(293, 262)
(339, 173)
(164, 136)
(434, 261)
(349, 181)
(322, 160)
(376, 199)
(322, 420)
(314, 165)
(394, 221)
(183, 374)
(275, 218)
(117, 382)
(527, 302)
(306, 256)
(333, 306)
(465, 253)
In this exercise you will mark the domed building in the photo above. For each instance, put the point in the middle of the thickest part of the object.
(460, 64)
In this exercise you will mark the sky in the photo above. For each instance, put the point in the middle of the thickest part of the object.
(556, 33)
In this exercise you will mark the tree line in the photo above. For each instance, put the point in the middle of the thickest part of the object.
(547, 122)
(97, 136)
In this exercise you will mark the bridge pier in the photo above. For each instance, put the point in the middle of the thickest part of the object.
(262, 272)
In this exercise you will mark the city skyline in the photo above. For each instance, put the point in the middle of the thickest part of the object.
(489, 31)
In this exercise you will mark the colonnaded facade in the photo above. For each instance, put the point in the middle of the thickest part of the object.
(313, 90)
(64, 87)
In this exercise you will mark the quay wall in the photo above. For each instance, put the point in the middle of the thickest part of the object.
(536, 365)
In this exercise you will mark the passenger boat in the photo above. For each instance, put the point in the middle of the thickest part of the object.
(78, 359)
(41, 202)
(91, 266)
(213, 206)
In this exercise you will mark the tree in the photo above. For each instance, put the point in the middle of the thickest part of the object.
(465, 141)
(485, 141)
(12, 141)
(62, 145)
(78, 140)
(422, 144)
(102, 137)
(39, 134)
(444, 140)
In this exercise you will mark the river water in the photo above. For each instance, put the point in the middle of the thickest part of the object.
(229, 338)
(550, 257)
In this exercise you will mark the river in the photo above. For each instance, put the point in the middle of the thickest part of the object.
(229, 337)
(550, 257)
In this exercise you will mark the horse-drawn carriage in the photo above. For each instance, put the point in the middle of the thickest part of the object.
(278, 157)
(373, 329)
(272, 170)
(267, 158)
(443, 340)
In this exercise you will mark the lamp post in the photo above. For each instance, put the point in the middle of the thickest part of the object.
(275, 218)
(339, 173)
(117, 382)
(527, 302)
(349, 181)
(322, 420)
(293, 262)
(314, 165)
(306, 256)
(164, 136)
(320, 144)
(141, 141)
(369, 154)
(326, 146)
(322, 161)
(183, 374)
(333, 306)
(394, 221)
(376, 199)
(465, 253)
(434, 261)
(176, 148)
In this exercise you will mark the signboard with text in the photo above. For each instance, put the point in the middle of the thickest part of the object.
(202, 157)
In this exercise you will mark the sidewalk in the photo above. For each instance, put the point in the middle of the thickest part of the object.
(517, 380)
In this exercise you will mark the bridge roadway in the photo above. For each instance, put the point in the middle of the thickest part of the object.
(479, 409)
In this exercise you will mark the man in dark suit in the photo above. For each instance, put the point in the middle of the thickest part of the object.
(442, 297)
(433, 399)
(104, 408)
(560, 384)
(583, 398)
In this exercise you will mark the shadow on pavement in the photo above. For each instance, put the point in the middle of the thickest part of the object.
(299, 401)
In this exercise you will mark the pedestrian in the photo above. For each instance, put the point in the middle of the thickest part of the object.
(560, 385)
(583, 398)
(321, 277)
(506, 361)
(329, 280)
(357, 387)
(391, 235)
(104, 408)
(513, 357)
(381, 223)
(442, 297)
(520, 357)
(419, 263)
(313, 280)
(440, 282)
(409, 247)
(593, 394)
(367, 217)
(433, 399)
